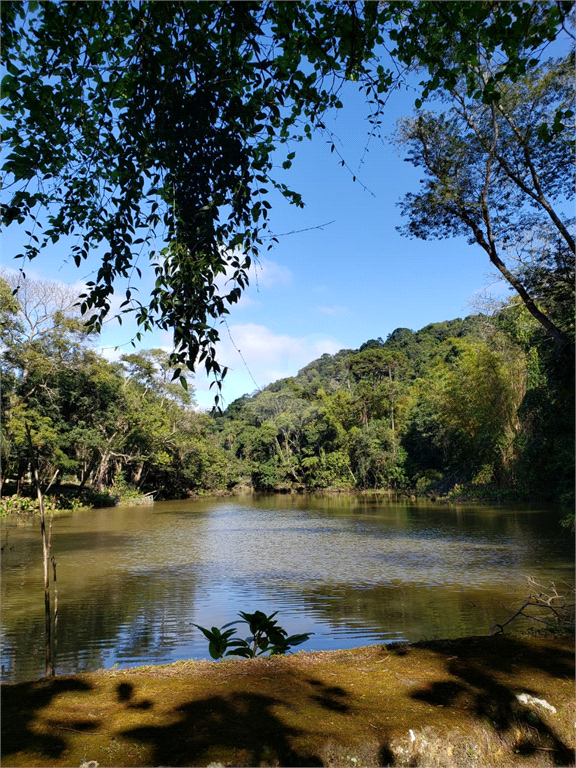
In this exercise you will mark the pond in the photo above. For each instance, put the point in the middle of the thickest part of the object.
(133, 581)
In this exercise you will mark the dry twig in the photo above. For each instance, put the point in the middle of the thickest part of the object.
(561, 604)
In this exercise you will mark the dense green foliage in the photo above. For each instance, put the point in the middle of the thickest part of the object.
(152, 126)
(118, 142)
(97, 423)
(485, 402)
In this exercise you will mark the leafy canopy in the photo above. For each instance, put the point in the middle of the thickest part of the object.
(136, 124)
(492, 173)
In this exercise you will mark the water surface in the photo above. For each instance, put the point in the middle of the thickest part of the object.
(132, 581)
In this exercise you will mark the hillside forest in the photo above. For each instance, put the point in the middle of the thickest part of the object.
(481, 406)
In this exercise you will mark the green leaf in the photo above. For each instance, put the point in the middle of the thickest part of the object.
(245, 653)
(215, 649)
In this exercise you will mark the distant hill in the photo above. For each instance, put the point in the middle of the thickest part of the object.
(332, 371)
(470, 403)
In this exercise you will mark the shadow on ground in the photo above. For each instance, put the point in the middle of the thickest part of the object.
(435, 704)
(483, 668)
(242, 723)
(20, 706)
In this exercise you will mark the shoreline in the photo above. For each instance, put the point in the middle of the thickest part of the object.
(458, 495)
(479, 701)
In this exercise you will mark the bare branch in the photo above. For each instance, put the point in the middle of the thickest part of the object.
(561, 604)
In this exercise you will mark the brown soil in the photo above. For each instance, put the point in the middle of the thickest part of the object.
(438, 703)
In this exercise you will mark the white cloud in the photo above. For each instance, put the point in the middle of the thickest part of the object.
(267, 273)
(112, 354)
(263, 274)
(263, 355)
(334, 311)
(272, 353)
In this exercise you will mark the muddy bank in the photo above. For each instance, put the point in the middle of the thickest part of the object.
(477, 701)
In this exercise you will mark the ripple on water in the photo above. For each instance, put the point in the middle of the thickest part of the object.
(132, 582)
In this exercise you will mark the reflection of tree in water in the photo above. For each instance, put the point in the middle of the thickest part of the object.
(376, 513)
(367, 581)
(378, 613)
(114, 590)
(136, 614)
(401, 611)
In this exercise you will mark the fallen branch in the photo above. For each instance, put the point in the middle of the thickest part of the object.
(548, 598)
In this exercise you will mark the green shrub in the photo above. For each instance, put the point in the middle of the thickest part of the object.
(266, 636)
(23, 506)
(99, 499)
(265, 477)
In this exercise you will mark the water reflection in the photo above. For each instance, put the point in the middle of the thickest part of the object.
(132, 581)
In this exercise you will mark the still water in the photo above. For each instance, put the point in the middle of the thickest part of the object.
(132, 581)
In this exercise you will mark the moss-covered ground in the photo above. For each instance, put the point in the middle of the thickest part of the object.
(438, 703)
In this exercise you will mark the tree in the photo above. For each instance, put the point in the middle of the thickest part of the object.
(43, 337)
(544, 445)
(41, 334)
(471, 395)
(493, 173)
(153, 370)
(128, 123)
(379, 367)
(376, 460)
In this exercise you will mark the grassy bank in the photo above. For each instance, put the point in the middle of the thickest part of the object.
(26, 506)
(437, 703)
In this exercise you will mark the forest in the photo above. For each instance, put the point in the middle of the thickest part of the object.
(481, 406)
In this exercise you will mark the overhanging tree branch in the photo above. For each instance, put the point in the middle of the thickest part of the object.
(486, 180)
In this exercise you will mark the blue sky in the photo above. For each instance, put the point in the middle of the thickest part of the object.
(322, 290)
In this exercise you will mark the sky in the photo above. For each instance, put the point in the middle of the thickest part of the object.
(344, 276)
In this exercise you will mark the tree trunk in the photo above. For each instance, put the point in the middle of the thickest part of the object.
(86, 472)
(551, 329)
(99, 481)
(22, 469)
(55, 582)
(138, 473)
(102, 469)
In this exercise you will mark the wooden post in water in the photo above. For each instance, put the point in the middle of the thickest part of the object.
(54, 654)
(45, 556)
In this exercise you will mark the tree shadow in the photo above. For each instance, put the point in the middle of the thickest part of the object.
(125, 694)
(385, 756)
(490, 698)
(238, 726)
(20, 705)
(329, 697)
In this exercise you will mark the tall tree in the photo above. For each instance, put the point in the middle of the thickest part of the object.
(496, 173)
(43, 334)
(127, 122)
(476, 393)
